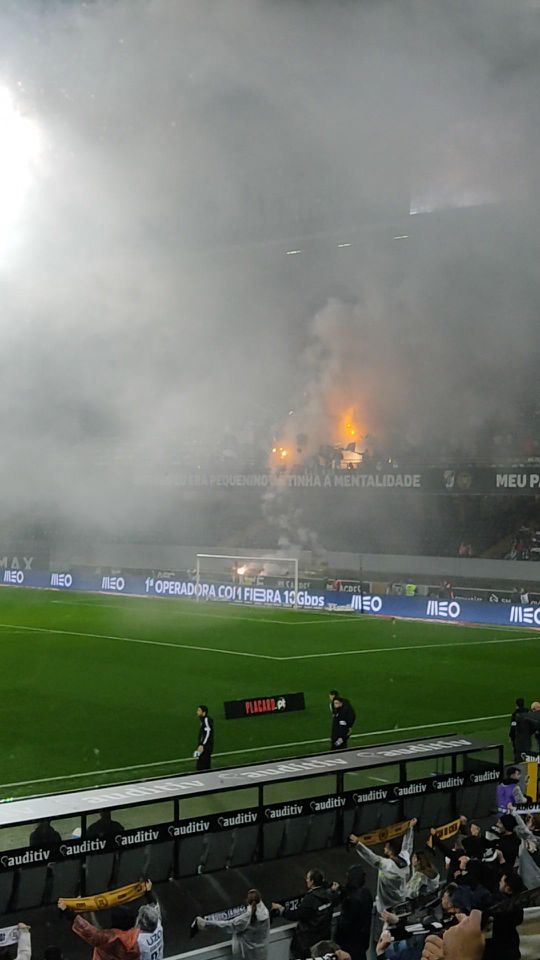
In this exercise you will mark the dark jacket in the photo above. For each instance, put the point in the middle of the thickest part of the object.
(343, 718)
(104, 830)
(44, 834)
(508, 844)
(527, 724)
(504, 942)
(354, 924)
(206, 733)
(314, 916)
(513, 722)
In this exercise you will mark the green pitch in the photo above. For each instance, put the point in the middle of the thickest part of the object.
(102, 689)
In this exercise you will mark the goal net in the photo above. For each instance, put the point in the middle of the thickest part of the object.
(250, 572)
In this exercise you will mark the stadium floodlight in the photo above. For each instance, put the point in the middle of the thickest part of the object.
(227, 567)
(20, 151)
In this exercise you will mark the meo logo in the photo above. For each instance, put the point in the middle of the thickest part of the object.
(365, 603)
(529, 615)
(443, 609)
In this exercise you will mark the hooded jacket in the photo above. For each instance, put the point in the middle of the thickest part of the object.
(314, 916)
(392, 874)
(110, 944)
(113, 944)
(249, 940)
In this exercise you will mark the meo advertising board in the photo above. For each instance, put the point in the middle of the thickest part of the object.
(365, 604)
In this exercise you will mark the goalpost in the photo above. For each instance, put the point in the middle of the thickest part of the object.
(246, 569)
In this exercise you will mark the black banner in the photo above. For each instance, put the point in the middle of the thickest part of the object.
(256, 707)
(453, 479)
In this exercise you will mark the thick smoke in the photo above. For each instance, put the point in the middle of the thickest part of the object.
(148, 298)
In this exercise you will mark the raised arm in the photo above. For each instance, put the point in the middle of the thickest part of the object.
(408, 839)
(365, 853)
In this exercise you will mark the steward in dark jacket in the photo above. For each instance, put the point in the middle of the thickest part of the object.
(527, 724)
(343, 718)
(313, 913)
(520, 709)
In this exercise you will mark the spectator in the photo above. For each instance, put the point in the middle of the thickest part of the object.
(250, 930)
(456, 899)
(507, 916)
(424, 878)
(451, 852)
(507, 842)
(509, 792)
(527, 724)
(126, 939)
(392, 868)
(119, 942)
(354, 923)
(21, 935)
(464, 941)
(44, 835)
(150, 939)
(326, 949)
(104, 828)
(314, 914)
(520, 708)
(476, 877)
(474, 843)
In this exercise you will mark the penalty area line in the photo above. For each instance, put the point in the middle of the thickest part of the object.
(152, 643)
(236, 753)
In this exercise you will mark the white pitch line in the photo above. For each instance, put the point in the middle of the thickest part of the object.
(267, 656)
(412, 646)
(153, 643)
(234, 753)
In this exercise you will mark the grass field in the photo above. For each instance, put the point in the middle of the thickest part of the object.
(101, 689)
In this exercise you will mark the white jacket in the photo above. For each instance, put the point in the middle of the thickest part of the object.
(249, 940)
(392, 874)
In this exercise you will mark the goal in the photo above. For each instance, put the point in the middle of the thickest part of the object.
(248, 571)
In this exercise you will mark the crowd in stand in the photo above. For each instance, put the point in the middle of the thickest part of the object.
(525, 544)
(413, 915)
(459, 898)
(469, 907)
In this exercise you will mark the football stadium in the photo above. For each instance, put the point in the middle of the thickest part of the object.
(270, 477)
(100, 656)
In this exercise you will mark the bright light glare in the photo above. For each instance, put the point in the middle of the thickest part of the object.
(20, 148)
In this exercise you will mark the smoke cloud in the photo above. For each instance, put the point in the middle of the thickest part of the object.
(150, 298)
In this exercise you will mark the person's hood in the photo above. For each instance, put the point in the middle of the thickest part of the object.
(127, 937)
(403, 860)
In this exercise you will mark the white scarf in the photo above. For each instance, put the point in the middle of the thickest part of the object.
(9, 936)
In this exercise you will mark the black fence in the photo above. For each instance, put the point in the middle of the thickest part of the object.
(193, 824)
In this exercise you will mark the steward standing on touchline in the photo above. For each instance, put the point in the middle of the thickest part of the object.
(343, 718)
(205, 744)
